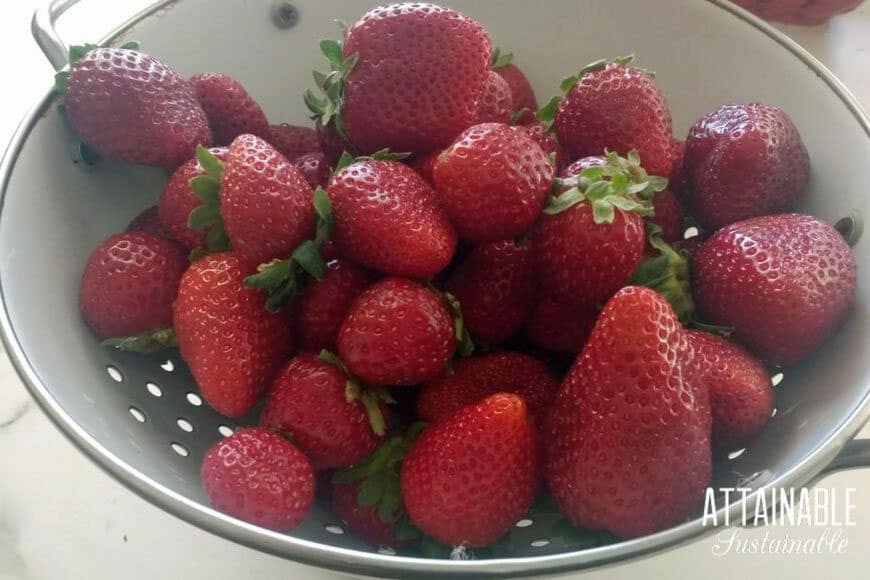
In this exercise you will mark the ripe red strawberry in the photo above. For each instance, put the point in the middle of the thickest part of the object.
(364, 521)
(471, 476)
(560, 326)
(783, 282)
(741, 395)
(148, 222)
(314, 167)
(232, 345)
(293, 141)
(495, 285)
(387, 218)
(478, 377)
(332, 144)
(129, 284)
(799, 11)
(410, 76)
(231, 111)
(424, 165)
(493, 181)
(677, 179)
(496, 104)
(668, 215)
(555, 152)
(257, 476)
(628, 434)
(334, 422)
(397, 332)
(616, 107)
(522, 95)
(129, 106)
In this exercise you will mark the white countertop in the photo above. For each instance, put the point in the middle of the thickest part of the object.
(62, 518)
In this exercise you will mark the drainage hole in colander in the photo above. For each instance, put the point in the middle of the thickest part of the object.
(167, 365)
(540, 543)
(154, 389)
(524, 523)
(179, 449)
(194, 399)
(334, 529)
(690, 233)
(386, 551)
(114, 373)
(773, 413)
(184, 425)
(225, 430)
(776, 379)
(736, 454)
(137, 414)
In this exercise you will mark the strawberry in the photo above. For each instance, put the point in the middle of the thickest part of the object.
(469, 477)
(525, 104)
(129, 106)
(560, 326)
(231, 111)
(232, 345)
(668, 215)
(799, 11)
(496, 286)
(478, 377)
(398, 332)
(407, 77)
(314, 167)
(540, 135)
(331, 418)
(129, 284)
(783, 282)
(293, 141)
(424, 165)
(677, 178)
(493, 181)
(495, 105)
(332, 144)
(617, 107)
(628, 433)
(743, 161)
(257, 476)
(323, 306)
(387, 219)
(148, 221)
(364, 522)
(741, 395)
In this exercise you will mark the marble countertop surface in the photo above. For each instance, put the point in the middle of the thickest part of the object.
(62, 518)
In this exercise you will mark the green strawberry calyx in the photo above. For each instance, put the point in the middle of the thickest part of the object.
(76, 53)
(144, 342)
(346, 159)
(371, 398)
(667, 274)
(326, 109)
(500, 59)
(207, 216)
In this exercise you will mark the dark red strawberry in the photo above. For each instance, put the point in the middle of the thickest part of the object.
(741, 395)
(496, 104)
(231, 111)
(560, 326)
(232, 345)
(469, 477)
(743, 161)
(628, 437)
(493, 181)
(799, 12)
(314, 167)
(293, 141)
(668, 215)
(555, 152)
(424, 165)
(364, 521)
(522, 95)
(148, 221)
(677, 179)
(398, 332)
(387, 218)
(332, 144)
(783, 282)
(129, 106)
(257, 476)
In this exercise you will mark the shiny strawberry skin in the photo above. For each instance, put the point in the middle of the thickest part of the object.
(231, 111)
(232, 345)
(293, 141)
(314, 167)
(471, 476)
(560, 326)
(743, 161)
(148, 221)
(266, 204)
(419, 76)
(554, 151)
(156, 121)
(257, 476)
(364, 522)
(398, 332)
(493, 181)
(496, 104)
(522, 94)
(783, 282)
(628, 436)
(387, 219)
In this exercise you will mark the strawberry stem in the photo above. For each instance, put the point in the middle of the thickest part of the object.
(144, 342)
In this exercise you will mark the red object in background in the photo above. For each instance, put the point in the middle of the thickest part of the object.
(802, 12)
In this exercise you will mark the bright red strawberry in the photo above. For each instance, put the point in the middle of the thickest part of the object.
(560, 326)
(129, 106)
(743, 161)
(293, 141)
(628, 434)
(314, 167)
(129, 284)
(496, 104)
(231, 111)
(668, 214)
(741, 395)
(232, 345)
(387, 218)
(522, 95)
(799, 11)
(148, 221)
(472, 475)
(493, 181)
(555, 152)
(783, 282)
(616, 107)
(411, 76)
(495, 285)
(398, 332)
(478, 377)
(257, 476)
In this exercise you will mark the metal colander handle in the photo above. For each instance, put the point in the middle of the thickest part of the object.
(45, 34)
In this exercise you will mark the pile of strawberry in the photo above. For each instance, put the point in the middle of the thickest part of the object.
(437, 239)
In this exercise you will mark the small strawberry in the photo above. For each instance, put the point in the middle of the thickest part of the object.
(783, 283)
(677, 178)
(398, 332)
(232, 345)
(314, 167)
(743, 161)
(496, 104)
(555, 152)
(293, 141)
(668, 215)
(364, 522)
(257, 476)
(525, 104)
(478, 377)
(332, 144)
(628, 436)
(493, 181)
(148, 221)
(231, 111)
(129, 106)
(468, 478)
(560, 326)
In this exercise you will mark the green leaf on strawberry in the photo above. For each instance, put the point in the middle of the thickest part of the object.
(327, 108)
(500, 59)
(145, 342)
(465, 345)
(667, 274)
(371, 397)
(207, 188)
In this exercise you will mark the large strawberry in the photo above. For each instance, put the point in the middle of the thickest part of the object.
(231, 111)
(628, 436)
(469, 477)
(493, 181)
(744, 161)
(129, 106)
(525, 104)
(802, 12)
(783, 282)
(232, 345)
(560, 325)
(407, 77)
(293, 140)
(496, 104)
